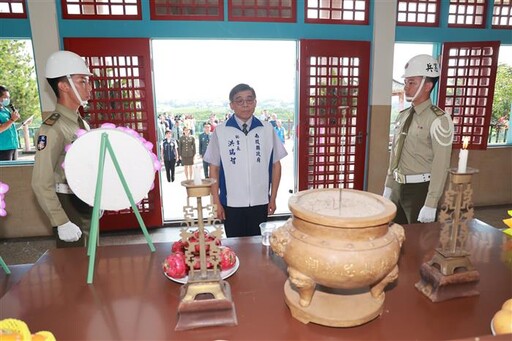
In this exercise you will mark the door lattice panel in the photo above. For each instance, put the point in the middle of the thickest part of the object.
(122, 94)
(119, 97)
(467, 88)
(334, 98)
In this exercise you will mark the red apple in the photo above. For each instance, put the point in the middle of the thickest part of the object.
(174, 265)
(178, 246)
(227, 258)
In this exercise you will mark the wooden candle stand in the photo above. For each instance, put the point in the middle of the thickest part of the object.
(450, 274)
(205, 300)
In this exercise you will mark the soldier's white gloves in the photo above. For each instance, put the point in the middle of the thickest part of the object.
(69, 232)
(387, 192)
(427, 214)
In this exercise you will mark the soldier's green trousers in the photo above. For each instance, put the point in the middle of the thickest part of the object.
(409, 199)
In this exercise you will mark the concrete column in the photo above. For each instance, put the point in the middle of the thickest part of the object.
(45, 41)
(381, 91)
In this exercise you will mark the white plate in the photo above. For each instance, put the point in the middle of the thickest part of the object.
(223, 274)
(492, 328)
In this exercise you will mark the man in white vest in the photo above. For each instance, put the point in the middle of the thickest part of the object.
(244, 156)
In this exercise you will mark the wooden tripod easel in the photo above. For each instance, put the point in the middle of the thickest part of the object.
(93, 237)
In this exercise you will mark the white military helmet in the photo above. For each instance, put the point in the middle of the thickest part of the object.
(65, 63)
(422, 65)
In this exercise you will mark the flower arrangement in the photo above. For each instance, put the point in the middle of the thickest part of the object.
(4, 188)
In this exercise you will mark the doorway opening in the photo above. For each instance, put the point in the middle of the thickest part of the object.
(192, 83)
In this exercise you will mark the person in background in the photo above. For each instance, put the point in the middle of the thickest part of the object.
(213, 122)
(8, 133)
(169, 120)
(273, 120)
(169, 152)
(190, 123)
(177, 133)
(204, 140)
(264, 115)
(280, 130)
(421, 149)
(68, 77)
(244, 156)
(187, 152)
(161, 126)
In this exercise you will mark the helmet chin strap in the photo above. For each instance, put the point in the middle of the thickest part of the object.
(411, 99)
(82, 102)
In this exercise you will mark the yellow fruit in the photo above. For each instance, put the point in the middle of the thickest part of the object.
(507, 305)
(17, 327)
(8, 336)
(502, 322)
(44, 336)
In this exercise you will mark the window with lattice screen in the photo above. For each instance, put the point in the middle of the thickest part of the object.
(468, 74)
(337, 11)
(418, 13)
(262, 10)
(187, 10)
(502, 14)
(467, 13)
(13, 9)
(102, 9)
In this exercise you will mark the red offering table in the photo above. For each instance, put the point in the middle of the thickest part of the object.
(131, 299)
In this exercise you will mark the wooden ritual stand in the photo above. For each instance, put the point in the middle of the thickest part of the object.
(205, 300)
(450, 274)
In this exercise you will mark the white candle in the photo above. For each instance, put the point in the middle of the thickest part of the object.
(463, 156)
(463, 161)
(197, 176)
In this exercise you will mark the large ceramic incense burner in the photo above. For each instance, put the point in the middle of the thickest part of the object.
(340, 257)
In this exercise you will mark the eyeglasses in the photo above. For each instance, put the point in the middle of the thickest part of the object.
(241, 102)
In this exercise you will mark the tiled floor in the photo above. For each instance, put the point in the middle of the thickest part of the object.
(28, 250)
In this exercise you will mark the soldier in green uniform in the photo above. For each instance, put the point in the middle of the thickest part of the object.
(187, 152)
(421, 149)
(68, 76)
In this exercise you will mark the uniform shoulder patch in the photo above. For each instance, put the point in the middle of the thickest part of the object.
(50, 120)
(438, 111)
(42, 141)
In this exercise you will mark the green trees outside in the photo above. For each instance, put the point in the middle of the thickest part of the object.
(17, 73)
(502, 105)
(502, 92)
(202, 113)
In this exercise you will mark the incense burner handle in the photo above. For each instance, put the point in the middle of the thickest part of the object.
(280, 238)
